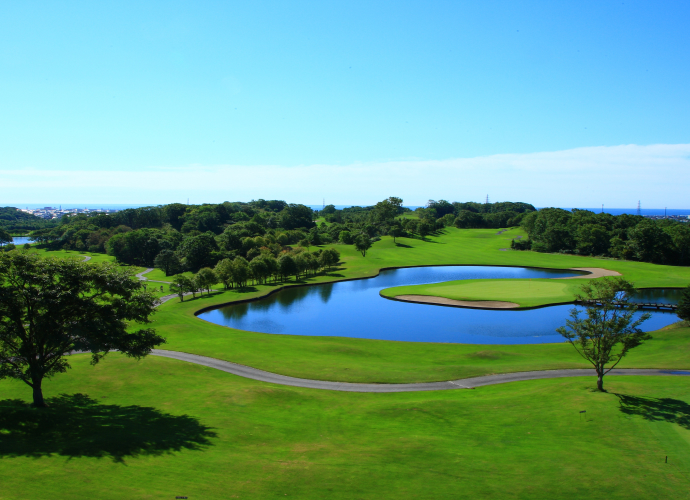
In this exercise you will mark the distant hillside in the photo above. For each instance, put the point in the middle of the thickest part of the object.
(13, 219)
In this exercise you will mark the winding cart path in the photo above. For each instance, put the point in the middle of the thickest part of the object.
(467, 383)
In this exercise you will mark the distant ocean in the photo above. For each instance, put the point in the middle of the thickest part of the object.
(633, 211)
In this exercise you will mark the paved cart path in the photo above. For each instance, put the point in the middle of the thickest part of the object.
(467, 383)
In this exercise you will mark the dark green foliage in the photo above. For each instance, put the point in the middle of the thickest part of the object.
(683, 310)
(168, 261)
(522, 244)
(198, 251)
(296, 216)
(205, 279)
(287, 266)
(5, 237)
(49, 307)
(362, 244)
(623, 236)
(467, 219)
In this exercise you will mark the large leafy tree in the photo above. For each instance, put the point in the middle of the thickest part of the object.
(50, 307)
(363, 243)
(609, 330)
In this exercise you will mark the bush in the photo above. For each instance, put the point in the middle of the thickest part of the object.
(520, 244)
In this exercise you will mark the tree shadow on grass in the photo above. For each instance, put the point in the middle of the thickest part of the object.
(402, 245)
(79, 426)
(656, 409)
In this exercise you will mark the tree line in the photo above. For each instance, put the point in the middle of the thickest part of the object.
(628, 237)
(239, 272)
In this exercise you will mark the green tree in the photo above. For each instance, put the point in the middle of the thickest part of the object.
(240, 271)
(683, 310)
(224, 272)
(206, 278)
(180, 285)
(610, 330)
(305, 243)
(395, 232)
(168, 262)
(50, 307)
(387, 209)
(197, 250)
(287, 266)
(424, 228)
(259, 269)
(363, 243)
(345, 237)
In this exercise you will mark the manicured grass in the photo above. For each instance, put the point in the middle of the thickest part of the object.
(525, 293)
(66, 254)
(162, 428)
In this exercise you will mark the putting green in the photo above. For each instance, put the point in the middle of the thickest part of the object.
(525, 293)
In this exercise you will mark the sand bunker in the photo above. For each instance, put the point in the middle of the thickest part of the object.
(596, 272)
(477, 304)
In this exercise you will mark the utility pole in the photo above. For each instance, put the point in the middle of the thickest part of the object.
(602, 208)
(639, 211)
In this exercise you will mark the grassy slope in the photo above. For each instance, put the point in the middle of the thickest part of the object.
(512, 441)
(525, 293)
(357, 360)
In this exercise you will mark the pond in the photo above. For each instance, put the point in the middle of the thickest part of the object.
(20, 240)
(355, 309)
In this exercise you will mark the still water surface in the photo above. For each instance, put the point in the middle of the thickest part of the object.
(355, 309)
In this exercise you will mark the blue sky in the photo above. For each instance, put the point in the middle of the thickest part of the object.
(351, 101)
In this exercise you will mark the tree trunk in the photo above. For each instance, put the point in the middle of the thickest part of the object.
(600, 382)
(38, 395)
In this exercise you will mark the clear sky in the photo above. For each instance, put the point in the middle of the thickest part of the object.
(566, 103)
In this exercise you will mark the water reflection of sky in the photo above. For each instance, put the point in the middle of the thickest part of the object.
(355, 309)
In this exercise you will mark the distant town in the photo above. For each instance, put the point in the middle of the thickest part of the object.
(56, 213)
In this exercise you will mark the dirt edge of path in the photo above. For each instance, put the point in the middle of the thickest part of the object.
(476, 304)
(595, 272)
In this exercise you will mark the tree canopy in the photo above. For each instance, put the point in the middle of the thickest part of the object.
(609, 330)
(50, 307)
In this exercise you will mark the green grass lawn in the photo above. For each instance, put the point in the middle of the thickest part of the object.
(161, 428)
(525, 293)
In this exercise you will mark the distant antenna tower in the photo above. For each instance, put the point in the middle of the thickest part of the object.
(487, 199)
(639, 211)
(602, 208)
(324, 204)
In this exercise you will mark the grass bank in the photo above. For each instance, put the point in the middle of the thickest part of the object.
(161, 428)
